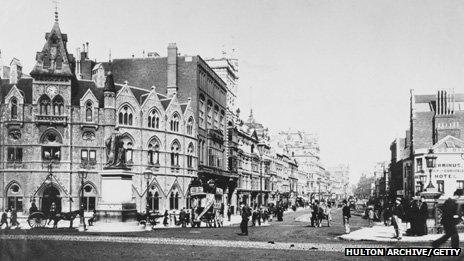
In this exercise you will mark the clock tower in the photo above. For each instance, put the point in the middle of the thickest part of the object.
(52, 76)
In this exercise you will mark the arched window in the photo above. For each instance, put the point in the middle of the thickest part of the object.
(59, 62)
(125, 115)
(44, 103)
(202, 110)
(88, 111)
(175, 122)
(58, 105)
(222, 120)
(89, 199)
(209, 113)
(174, 200)
(129, 153)
(175, 148)
(153, 153)
(14, 108)
(46, 60)
(153, 199)
(216, 116)
(15, 197)
(190, 151)
(190, 126)
(51, 148)
(153, 119)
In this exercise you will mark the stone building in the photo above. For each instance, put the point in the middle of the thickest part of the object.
(57, 121)
(437, 123)
(190, 80)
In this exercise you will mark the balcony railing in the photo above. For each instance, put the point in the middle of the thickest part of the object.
(51, 119)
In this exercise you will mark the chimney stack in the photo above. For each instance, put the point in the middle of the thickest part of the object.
(172, 70)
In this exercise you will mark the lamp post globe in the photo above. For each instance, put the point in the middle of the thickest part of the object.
(431, 160)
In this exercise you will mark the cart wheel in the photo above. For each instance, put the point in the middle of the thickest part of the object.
(37, 220)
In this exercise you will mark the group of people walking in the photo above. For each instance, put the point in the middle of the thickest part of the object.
(321, 211)
(9, 215)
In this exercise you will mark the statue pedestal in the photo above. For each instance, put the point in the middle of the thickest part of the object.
(116, 211)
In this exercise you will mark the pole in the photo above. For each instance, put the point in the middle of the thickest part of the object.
(260, 181)
(81, 206)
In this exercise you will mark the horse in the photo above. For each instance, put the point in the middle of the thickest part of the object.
(70, 216)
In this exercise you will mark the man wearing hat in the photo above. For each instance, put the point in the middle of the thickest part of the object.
(398, 214)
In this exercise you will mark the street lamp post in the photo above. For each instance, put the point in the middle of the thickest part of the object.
(319, 185)
(431, 160)
(82, 175)
(147, 175)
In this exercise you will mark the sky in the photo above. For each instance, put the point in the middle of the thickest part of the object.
(340, 68)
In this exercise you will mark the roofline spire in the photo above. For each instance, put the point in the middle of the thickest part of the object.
(56, 2)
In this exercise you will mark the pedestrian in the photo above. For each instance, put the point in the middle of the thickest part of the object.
(14, 218)
(449, 220)
(346, 216)
(422, 219)
(166, 217)
(94, 217)
(33, 208)
(4, 219)
(398, 215)
(52, 212)
(229, 212)
(182, 217)
(246, 212)
(412, 216)
(253, 217)
(370, 215)
(320, 214)
(387, 214)
(328, 212)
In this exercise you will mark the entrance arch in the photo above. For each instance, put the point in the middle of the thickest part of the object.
(50, 194)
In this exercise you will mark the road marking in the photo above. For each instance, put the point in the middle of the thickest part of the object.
(330, 247)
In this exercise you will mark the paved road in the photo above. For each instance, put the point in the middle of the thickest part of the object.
(280, 241)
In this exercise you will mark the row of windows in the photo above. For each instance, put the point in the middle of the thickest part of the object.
(154, 200)
(47, 107)
(125, 118)
(213, 117)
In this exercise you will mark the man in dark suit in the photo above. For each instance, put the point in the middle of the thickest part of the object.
(422, 218)
(449, 220)
(246, 212)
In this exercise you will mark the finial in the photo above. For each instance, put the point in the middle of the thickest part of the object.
(56, 2)
(109, 56)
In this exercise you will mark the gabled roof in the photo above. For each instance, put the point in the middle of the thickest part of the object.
(24, 85)
(165, 103)
(183, 107)
(449, 142)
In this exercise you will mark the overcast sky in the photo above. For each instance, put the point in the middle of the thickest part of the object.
(342, 69)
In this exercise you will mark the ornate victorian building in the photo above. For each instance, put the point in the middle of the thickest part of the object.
(56, 121)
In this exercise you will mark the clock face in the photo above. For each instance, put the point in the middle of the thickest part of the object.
(52, 90)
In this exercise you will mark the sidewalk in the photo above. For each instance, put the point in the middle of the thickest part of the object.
(235, 219)
(381, 233)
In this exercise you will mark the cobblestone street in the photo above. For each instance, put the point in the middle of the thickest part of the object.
(285, 240)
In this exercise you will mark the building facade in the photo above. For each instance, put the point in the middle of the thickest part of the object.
(57, 122)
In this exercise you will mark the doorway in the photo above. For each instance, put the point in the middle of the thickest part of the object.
(50, 195)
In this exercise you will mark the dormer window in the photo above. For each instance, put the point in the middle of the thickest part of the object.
(14, 108)
(88, 111)
(59, 62)
(153, 120)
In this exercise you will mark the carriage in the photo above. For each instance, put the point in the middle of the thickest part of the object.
(206, 207)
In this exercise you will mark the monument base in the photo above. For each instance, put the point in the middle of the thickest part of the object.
(116, 212)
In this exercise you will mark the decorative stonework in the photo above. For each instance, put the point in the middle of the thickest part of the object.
(14, 134)
(88, 136)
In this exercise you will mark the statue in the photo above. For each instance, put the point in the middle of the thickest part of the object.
(115, 151)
